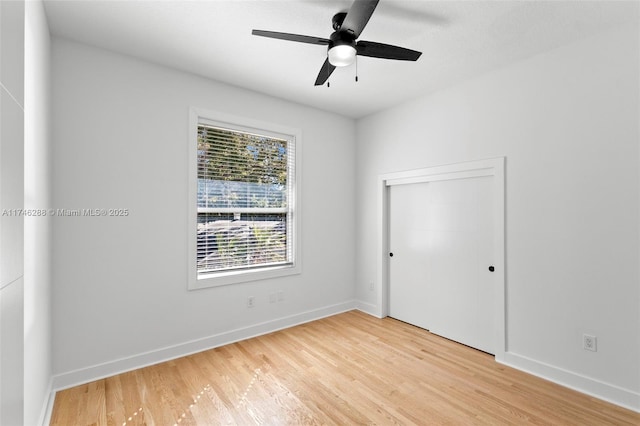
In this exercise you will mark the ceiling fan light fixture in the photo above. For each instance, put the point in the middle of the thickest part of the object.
(342, 55)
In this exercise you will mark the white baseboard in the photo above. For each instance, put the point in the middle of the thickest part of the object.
(368, 308)
(107, 369)
(616, 395)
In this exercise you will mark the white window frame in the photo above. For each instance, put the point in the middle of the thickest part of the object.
(199, 116)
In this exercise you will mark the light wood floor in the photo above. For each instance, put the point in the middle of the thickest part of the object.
(347, 369)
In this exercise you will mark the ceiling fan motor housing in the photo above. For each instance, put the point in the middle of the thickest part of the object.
(340, 38)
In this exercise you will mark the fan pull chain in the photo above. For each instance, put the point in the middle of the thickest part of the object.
(356, 69)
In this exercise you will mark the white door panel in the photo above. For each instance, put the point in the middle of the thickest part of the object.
(441, 236)
(408, 223)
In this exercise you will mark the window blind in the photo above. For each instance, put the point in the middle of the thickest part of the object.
(244, 200)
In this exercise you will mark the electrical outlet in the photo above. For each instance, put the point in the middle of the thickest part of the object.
(371, 286)
(589, 343)
(251, 301)
(280, 296)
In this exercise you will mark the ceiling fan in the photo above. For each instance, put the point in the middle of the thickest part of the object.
(343, 44)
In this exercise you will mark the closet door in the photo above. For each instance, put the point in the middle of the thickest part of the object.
(441, 239)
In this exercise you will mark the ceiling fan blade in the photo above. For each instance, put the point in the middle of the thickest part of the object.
(358, 16)
(291, 37)
(386, 51)
(324, 73)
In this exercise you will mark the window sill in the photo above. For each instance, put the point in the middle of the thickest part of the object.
(217, 279)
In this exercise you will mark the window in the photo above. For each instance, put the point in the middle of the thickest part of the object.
(243, 223)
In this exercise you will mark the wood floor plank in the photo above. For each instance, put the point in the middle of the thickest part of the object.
(346, 369)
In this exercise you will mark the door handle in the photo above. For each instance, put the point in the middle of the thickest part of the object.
(491, 268)
(390, 254)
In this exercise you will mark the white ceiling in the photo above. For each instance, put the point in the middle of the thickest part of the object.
(212, 38)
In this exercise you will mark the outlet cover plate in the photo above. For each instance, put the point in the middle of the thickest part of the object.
(589, 343)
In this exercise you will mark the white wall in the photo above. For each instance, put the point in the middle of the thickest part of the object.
(12, 223)
(37, 230)
(120, 133)
(568, 123)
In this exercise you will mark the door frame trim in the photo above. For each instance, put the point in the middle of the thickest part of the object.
(488, 167)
